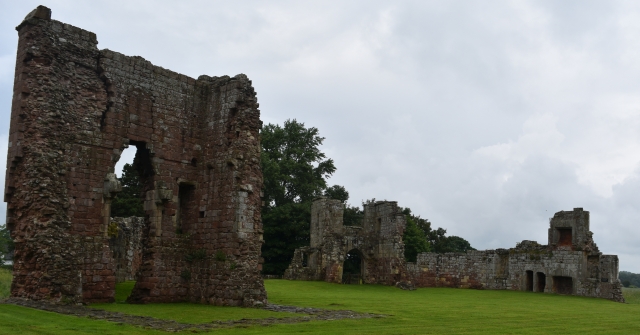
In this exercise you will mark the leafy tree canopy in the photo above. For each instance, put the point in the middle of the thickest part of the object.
(414, 241)
(128, 202)
(294, 168)
(435, 239)
(629, 279)
(337, 192)
(295, 172)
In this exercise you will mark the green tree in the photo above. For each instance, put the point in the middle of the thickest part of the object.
(629, 279)
(352, 215)
(414, 241)
(453, 244)
(337, 192)
(128, 202)
(295, 172)
(437, 239)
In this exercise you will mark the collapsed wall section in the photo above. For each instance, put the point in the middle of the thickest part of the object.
(75, 108)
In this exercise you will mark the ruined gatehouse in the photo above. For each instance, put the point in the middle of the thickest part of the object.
(570, 263)
(378, 242)
(75, 109)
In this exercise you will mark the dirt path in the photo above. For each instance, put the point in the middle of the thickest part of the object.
(309, 314)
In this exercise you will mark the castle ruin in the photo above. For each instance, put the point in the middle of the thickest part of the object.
(75, 109)
(569, 264)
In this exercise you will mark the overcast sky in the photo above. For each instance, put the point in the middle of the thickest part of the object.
(485, 117)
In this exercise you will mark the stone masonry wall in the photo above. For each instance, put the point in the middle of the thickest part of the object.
(379, 241)
(578, 268)
(125, 242)
(570, 264)
(75, 108)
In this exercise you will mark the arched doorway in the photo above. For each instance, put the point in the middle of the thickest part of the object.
(353, 267)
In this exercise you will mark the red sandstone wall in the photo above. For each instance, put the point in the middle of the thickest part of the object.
(75, 108)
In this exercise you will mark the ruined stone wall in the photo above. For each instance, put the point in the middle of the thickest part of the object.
(578, 268)
(570, 264)
(75, 108)
(378, 240)
(125, 243)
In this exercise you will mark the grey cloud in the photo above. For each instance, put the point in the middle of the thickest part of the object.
(485, 117)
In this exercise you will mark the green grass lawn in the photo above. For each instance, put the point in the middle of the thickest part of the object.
(424, 311)
(631, 295)
(5, 282)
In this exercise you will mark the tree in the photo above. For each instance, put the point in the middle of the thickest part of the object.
(128, 202)
(629, 279)
(352, 216)
(453, 244)
(414, 241)
(437, 239)
(295, 172)
(337, 192)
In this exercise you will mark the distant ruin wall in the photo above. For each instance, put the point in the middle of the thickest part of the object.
(570, 264)
(75, 109)
(125, 242)
(378, 240)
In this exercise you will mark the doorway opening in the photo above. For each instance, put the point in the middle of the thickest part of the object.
(529, 286)
(562, 285)
(542, 281)
(352, 270)
(127, 220)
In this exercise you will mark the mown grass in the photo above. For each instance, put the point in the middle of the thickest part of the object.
(424, 311)
(5, 282)
(183, 312)
(631, 295)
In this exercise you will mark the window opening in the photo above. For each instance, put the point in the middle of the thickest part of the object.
(565, 238)
(186, 208)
